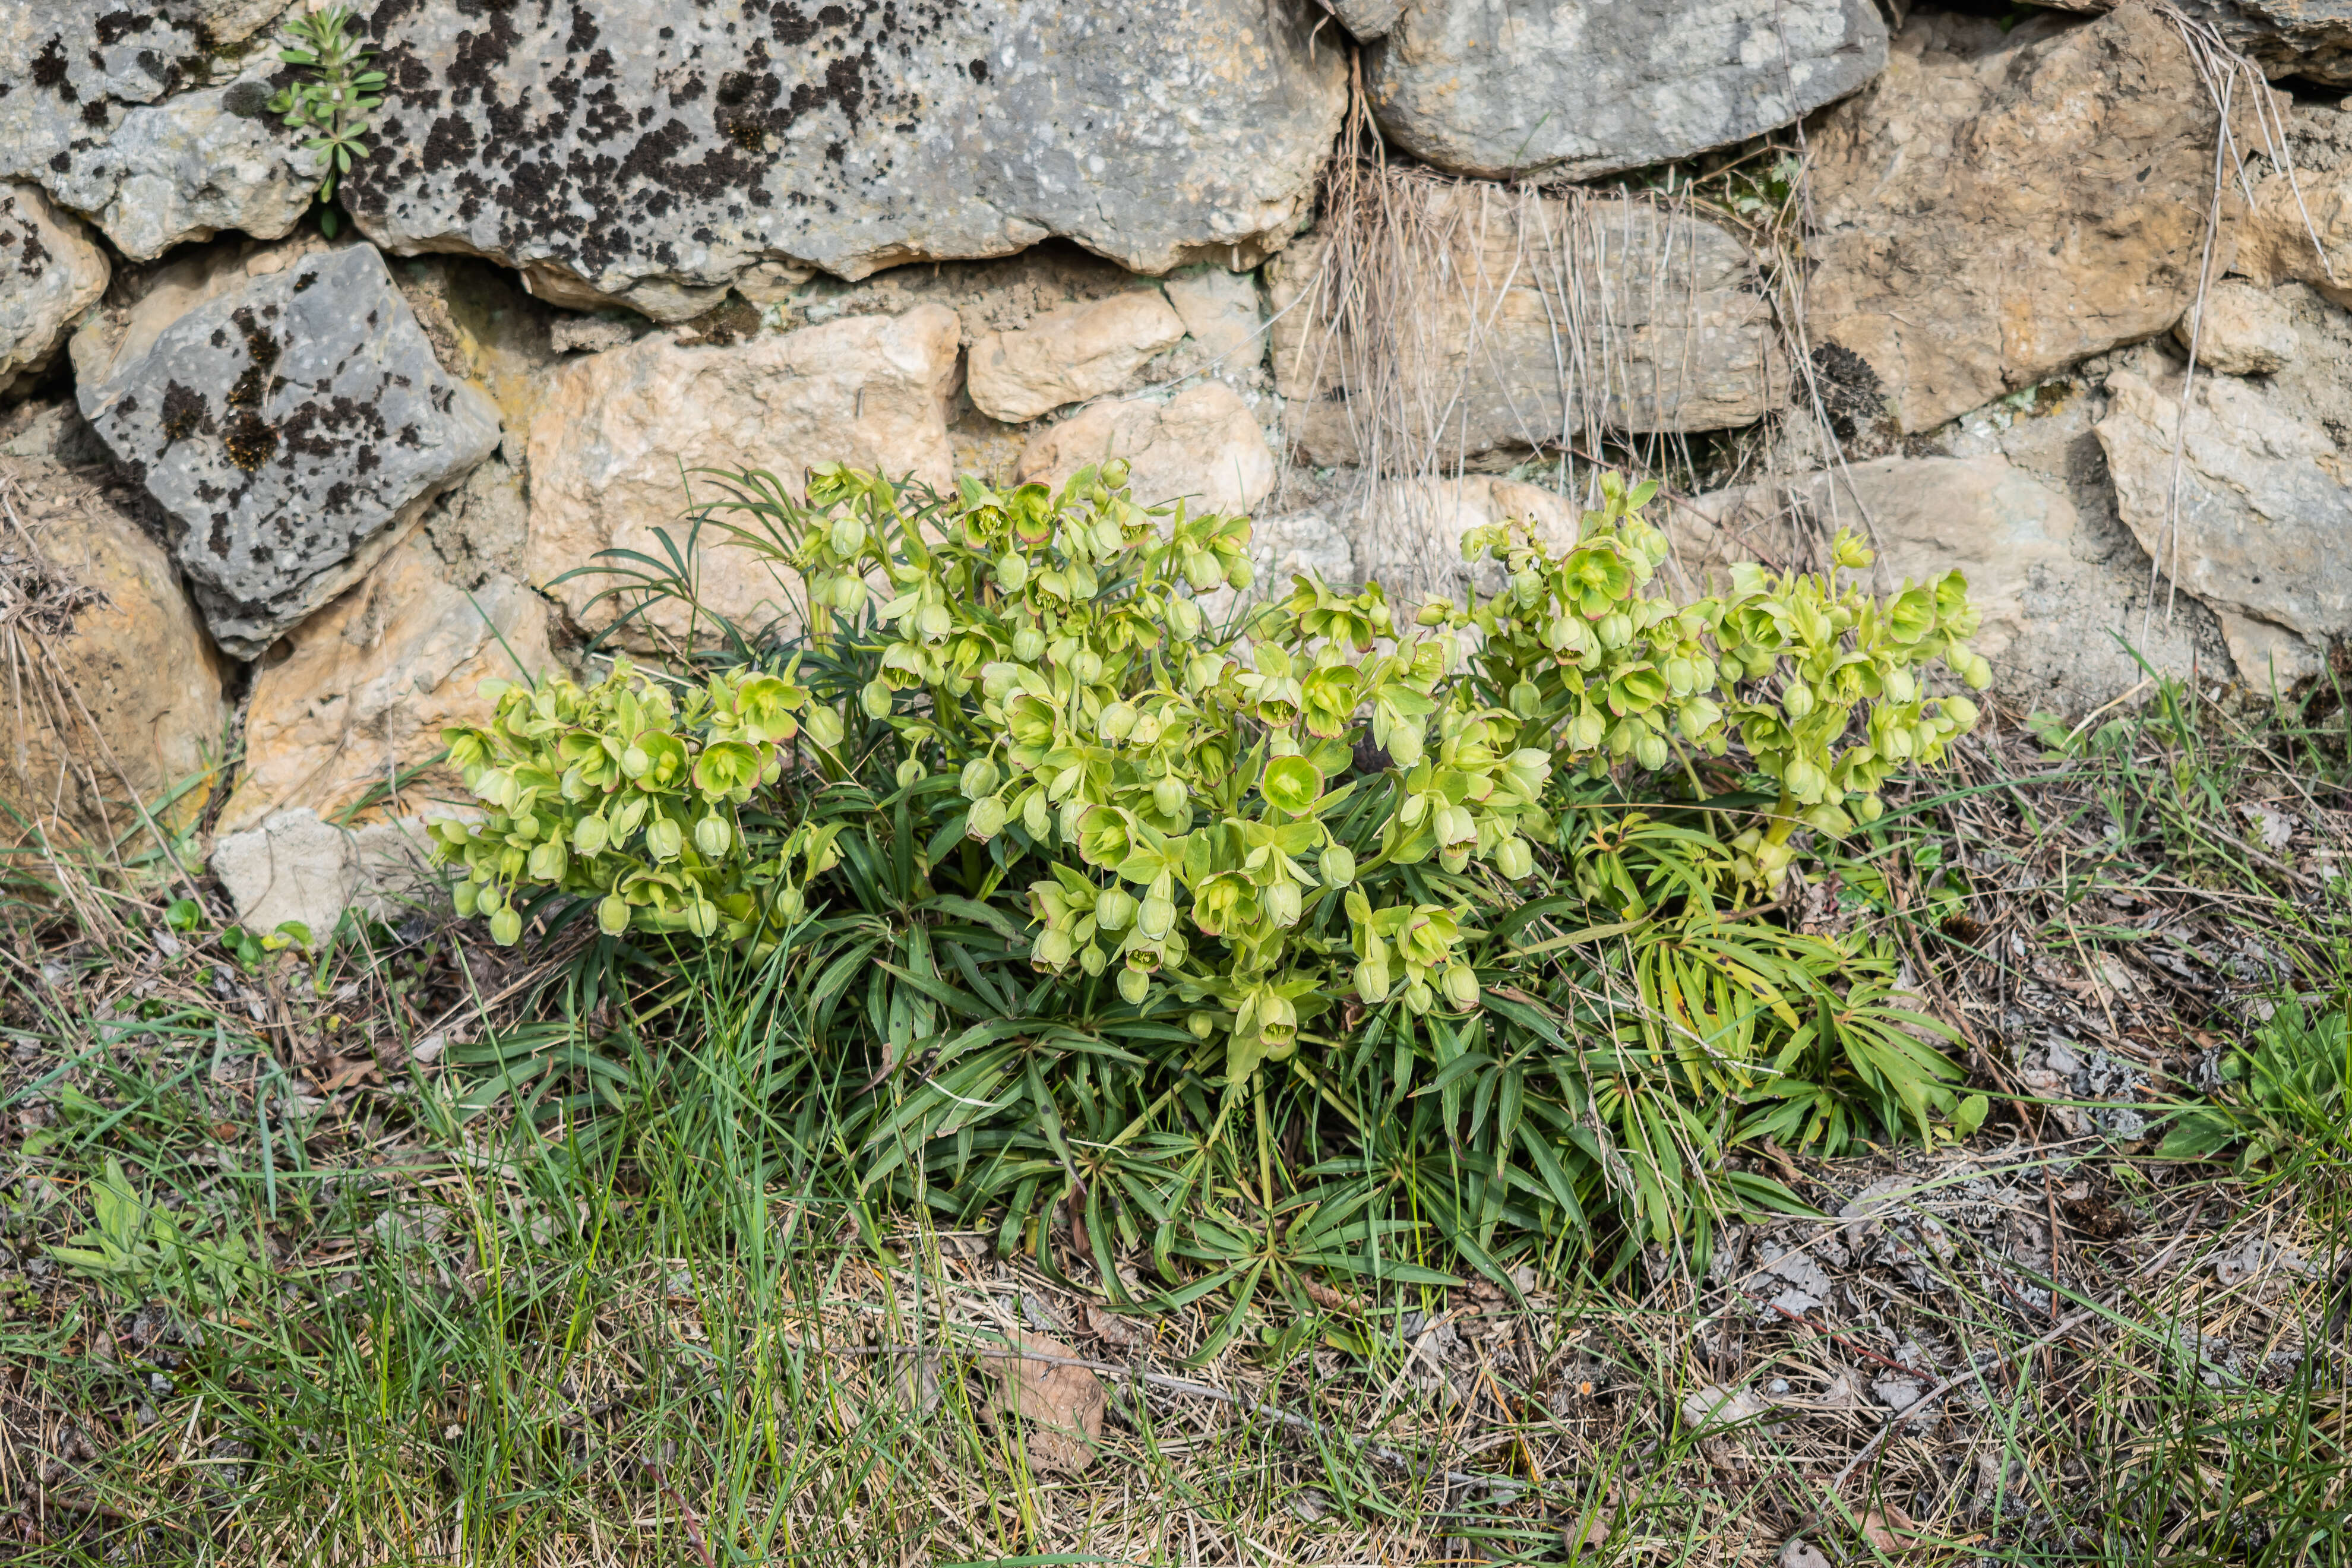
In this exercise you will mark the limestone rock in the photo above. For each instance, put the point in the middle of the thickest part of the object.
(1408, 533)
(135, 119)
(2049, 609)
(656, 152)
(1224, 320)
(289, 425)
(2301, 227)
(2262, 515)
(1301, 544)
(1070, 354)
(2240, 329)
(1366, 19)
(295, 866)
(1510, 321)
(2308, 39)
(1202, 445)
(49, 274)
(371, 679)
(605, 450)
(114, 702)
(1997, 205)
(1579, 88)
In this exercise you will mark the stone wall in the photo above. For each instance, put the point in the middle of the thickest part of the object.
(283, 501)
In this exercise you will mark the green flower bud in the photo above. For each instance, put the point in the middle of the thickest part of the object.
(1283, 903)
(1372, 982)
(1337, 864)
(664, 838)
(1114, 908)
(506, 927)
(613, 914)
(702, 917)
(824, 727)
(848, 593)
(1168, 795)
(465, 895)
(1116, 721)
(1028, 645)
(873, 700)
(1404, 742)
(1203, 1025)
(1034, 815)
(547, 861)
(978, 778)
(1417, 995)
(791, 903)
(1797, 702)
(1962, 713)
(714, 836)
(1090, 959)
(1650, 750)
(590, 835)
(1155, 918)
(986, 819)
(1054, 947)
(635, 761)
(1012, 572)
(1513, 858)
(910, 771)
(1461, 985)
(1134, 985)
(1184, 618)
(1087, 666)
(849, 535)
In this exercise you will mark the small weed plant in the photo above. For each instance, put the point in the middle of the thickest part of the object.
(337, 94)
(1451, 911)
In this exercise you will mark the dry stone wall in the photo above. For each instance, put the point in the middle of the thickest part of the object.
(285, 499)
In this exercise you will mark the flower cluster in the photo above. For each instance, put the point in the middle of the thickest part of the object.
(624, 794)
(1243, 816)
(1601, 671)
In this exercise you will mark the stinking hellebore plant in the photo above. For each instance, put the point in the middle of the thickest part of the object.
(1184, 792)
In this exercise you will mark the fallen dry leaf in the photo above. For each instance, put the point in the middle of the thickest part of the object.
(1060, 1405)
(2275, 828)
(1799, 1552)
(1890, 1529)
(1120, 1333)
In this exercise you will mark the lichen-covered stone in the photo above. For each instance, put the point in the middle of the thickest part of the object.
(1510, 321)
(1202, 446)
(137, 119)
(616, 428)
(363, 694)
(289, 425)
(49, 274)
(655, 152)
(1579, 88)
(2001, 205)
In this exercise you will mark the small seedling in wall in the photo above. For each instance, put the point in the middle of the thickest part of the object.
(337, 99)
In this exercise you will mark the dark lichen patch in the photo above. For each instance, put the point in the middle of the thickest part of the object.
(49, 69)
(1852, 395)
(250, 442)
(247, 100)
(303, 283)
(184, 412)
